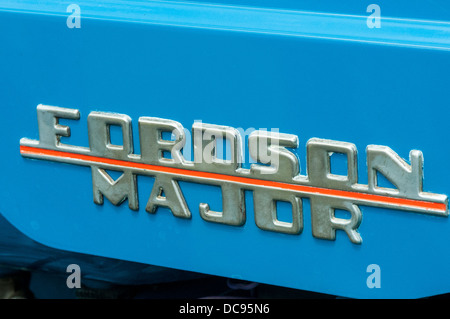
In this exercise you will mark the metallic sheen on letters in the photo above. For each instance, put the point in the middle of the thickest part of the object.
(274, 177)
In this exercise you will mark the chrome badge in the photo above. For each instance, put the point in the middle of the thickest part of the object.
(274, 176)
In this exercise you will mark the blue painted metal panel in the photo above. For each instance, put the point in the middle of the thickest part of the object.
(304, 73)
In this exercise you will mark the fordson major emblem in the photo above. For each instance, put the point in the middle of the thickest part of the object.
(274, 176)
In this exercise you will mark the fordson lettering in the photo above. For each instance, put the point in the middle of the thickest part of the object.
(272, 178)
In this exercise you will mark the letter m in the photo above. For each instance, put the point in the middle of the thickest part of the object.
(116, 191)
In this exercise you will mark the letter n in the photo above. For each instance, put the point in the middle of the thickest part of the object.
(116, 191)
